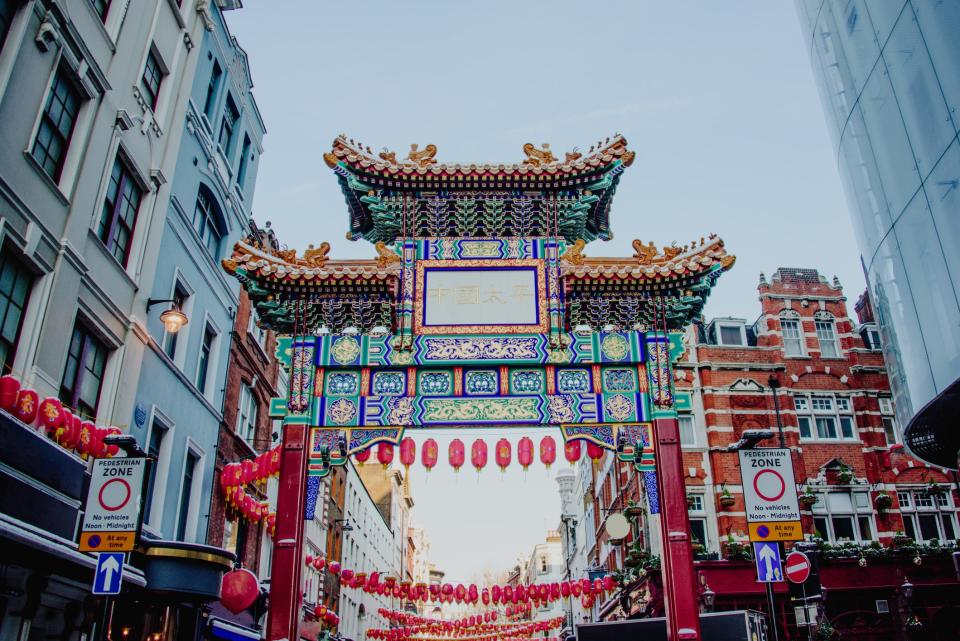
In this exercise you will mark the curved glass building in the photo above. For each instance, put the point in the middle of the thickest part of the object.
(889, 76)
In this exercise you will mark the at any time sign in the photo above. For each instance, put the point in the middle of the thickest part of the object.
(112, 511)
(770, 495)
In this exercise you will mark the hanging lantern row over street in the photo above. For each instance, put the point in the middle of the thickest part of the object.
(479, 453)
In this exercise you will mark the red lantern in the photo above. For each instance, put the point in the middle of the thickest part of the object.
(28, 401)
(246, 471)
(565, 589)
(9, 388)
(575, 588)
(308, 560)
(320, 611)
(113, 431)
(362, 457)
(408, 452)
(99, 447)
(571, 450)
(525, 452)
(275, 461)
(334, 567)
(239, 589)
(429, 453)
(51, 414)
(594, 451)
(548, 451)
(455, 453)
(478, 454)
(460, 593)
(496, 593)
(485, 596)
(346, 575)
(608, 583)
(503, 453)
(87, 434)
(385, 453)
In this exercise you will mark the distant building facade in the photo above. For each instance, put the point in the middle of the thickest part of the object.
(889, 76)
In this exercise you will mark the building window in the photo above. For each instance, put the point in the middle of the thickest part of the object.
(247, 414)
(119, 216)
(206, 351)
(927, 517)
(227, 127)
(827, 335)
(889, 419)
(688, 434)
(792, 335)
(186, 490)
(204, 221)
(258, 333)
(151, 79)
(101, 7)
(543, 564)
(83, 374)
(824, 417)
(213, 88)
(730, 333)
(843, 516)
(15, 284)
(245, 159)
(157, 433)
(698, 519)
(870, 336)
(179, 297)
(56, 124)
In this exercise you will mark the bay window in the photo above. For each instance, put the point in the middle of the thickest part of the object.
(928, 517)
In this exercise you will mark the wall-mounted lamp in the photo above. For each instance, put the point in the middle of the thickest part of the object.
(173, 318)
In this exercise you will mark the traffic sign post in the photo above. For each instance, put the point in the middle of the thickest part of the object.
(770, 495)
(112, 511)
(769, 564)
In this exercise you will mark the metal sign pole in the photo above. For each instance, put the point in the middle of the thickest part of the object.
(773, 611)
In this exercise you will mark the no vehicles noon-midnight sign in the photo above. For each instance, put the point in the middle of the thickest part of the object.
(770, 495)
(112, 511)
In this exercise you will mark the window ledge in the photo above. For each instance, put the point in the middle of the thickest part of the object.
(51, 183)
(831, 441)
(113, 259)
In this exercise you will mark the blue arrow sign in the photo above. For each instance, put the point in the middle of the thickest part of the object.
(769, 564)
(109, 574)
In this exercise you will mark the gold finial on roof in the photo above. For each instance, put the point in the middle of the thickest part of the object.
(385, 255)
(574, 254)
(537, 157)
(424, 157)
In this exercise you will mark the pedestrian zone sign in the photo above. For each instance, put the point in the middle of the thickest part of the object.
(769, 563)
(112, 512)
(770, 495)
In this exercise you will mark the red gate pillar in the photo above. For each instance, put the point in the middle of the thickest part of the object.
(679, 581)
(283, 617)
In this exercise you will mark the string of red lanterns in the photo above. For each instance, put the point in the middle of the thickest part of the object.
(479, 453)
(63, 426)
(472, 628)
(236, 476)
(516, 598)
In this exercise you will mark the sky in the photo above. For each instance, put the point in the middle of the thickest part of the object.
(717, 99)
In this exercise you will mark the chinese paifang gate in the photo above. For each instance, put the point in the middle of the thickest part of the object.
(480, 308)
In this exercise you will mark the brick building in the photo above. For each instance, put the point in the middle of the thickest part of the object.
(253, 378)
(833, 403)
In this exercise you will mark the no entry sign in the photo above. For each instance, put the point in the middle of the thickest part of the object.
(770, 495)
(112, 511)
(797, 567)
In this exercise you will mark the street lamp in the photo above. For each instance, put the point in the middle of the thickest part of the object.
(749, 438)
(127, 443)
(906, 589)
(173, 318)
(347, 526)
(708, 597)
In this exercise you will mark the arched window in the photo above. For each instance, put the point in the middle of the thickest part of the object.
(208, 220)
(792, 331)
(827, 335)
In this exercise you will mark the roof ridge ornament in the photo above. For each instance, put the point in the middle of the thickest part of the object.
(539, 157)
(385, 255)
(574, 254)
(423, 157)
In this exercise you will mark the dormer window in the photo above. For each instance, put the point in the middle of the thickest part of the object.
(870, 335)
(729, 331)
